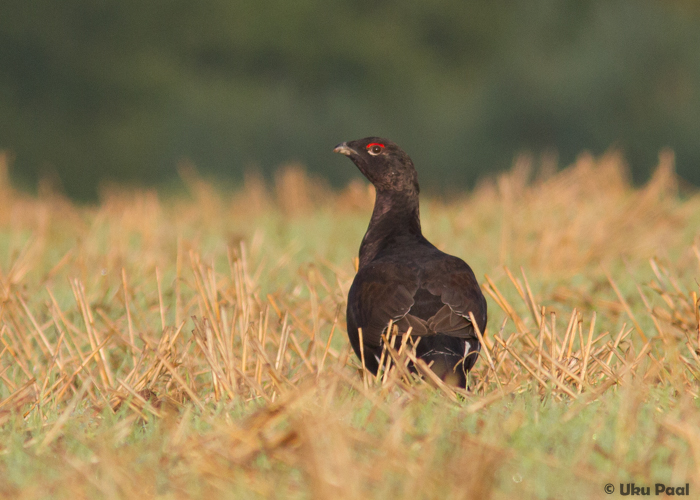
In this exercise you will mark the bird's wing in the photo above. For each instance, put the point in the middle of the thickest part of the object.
(453, 281)
(386, 291)
(381, 293)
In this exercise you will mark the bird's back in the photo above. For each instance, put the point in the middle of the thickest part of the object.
(436, 284)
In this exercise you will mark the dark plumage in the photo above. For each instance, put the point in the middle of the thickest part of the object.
(405, 278)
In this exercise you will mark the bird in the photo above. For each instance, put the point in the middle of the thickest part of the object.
(405, 279)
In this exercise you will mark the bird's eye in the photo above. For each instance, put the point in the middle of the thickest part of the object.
(375, 148)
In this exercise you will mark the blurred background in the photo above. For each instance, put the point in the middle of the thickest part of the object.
(123, 91)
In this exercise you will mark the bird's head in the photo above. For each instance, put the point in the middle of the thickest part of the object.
(385, 164)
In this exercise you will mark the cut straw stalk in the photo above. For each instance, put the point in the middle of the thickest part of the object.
(145, 404)
(388, 367)
(625, 305)
(489, 358)
(696, 310)
(362, 358)
(389, 330)
(17, 392)
(128, 315)
(217, 373)
(430, 375)
(193, 396)
(495, 293)
(37, 328)
(276, 377)
(587, 353)
(68, 381)
(398, 359)
(522, 363)
(328, 349)
(282, 350)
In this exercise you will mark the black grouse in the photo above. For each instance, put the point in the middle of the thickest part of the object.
(405, 278)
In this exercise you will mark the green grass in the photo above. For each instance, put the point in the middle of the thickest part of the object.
(179, 347)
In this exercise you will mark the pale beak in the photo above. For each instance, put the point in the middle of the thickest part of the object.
(343, 149)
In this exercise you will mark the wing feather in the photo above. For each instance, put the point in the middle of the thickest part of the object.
(388, 292)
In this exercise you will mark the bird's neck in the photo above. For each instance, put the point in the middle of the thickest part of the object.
(395, 221)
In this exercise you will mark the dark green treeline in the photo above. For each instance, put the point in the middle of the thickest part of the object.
(123, 90)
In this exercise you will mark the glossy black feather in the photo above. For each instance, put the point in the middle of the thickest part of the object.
(404, 278)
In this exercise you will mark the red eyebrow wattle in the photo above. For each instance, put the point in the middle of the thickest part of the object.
(375, 144)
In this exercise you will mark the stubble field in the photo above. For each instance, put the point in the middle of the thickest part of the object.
(194, 346)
